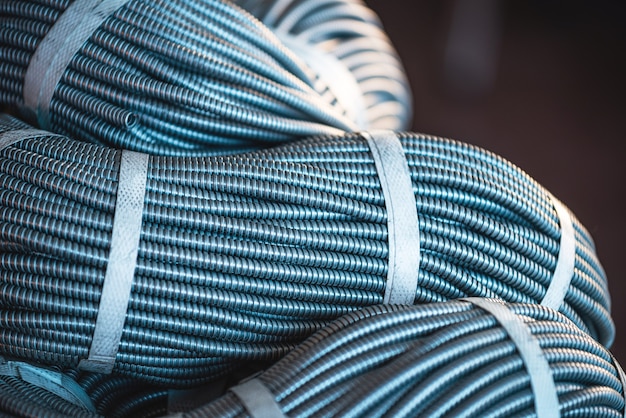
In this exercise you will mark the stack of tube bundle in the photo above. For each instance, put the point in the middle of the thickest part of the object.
(242, 256)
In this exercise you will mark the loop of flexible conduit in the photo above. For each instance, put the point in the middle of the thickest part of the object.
(453, 358)
(179, 77)
(242, 257)
(436, 360)
(351, 34)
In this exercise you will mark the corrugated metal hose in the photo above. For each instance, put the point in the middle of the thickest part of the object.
(241, 257)
(352, 33)
(452, 358)
(201, 76)
(214, 210)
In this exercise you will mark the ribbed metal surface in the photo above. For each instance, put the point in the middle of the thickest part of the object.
(440, 359)
(180, 77)
(242, 257)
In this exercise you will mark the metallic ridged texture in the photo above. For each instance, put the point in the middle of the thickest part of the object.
(350, 32)
(241, 257)
(441, 359)
(181, 77)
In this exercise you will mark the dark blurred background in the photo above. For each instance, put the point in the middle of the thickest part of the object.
(541, 83)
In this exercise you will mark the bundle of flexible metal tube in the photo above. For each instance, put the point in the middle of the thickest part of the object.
(200, 76)
(131, 280)
(462, 358)
(27, 390)
(351, 33)
(241, 257)
(443, 359)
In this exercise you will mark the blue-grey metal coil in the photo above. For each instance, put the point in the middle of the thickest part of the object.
(352, 33)
(434, 360)
(201, 76)
(241, 257)
(111, 396)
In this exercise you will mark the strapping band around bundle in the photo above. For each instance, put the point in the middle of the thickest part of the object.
(564, 270)
(541, 380)
(338, 78)
(54, 382)
(54, 53)
(120, 270)
(402, 221)
(257, 399)
(9, 138)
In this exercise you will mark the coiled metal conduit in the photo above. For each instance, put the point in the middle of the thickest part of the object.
(242, 257)
(442, 359)
(353, 34)
(110, 396)
(204, 76)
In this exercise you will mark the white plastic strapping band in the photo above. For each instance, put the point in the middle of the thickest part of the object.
(120, 270)
(541, 380)
(564, 270)
(334, 74)
(54, 382)
(257, 399)
(8, 138)
(54, 53)
(402, 221)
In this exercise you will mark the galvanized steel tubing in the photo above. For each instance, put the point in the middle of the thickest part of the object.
(200, 76)
(351, 33)
(241, 257)
(434, 360)
(448, 359)
(109, 396)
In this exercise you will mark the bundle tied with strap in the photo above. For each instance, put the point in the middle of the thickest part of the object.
(52, 381)
(344, 42)
(181, 77)
(468, 357)
(240, 258)
(403, 227)
(54, 53)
